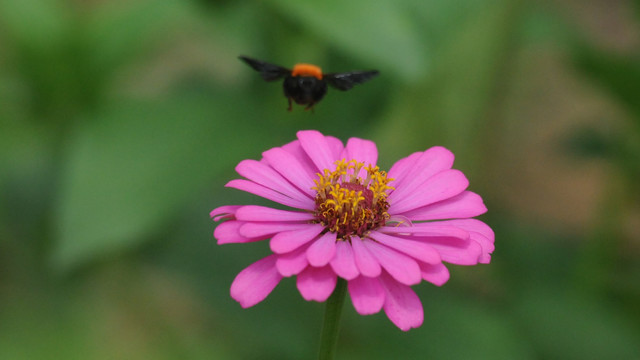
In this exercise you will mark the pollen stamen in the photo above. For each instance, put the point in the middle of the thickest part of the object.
(348, 204)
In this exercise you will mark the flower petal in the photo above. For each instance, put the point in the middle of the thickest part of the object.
(294, 148)
(365, 262)
(454, 252)
(437, 274)
(344, 263)
(402, 305)
(224, 212)
(335, 145)
(316, 283)
(476, 248)
(401, 168)
(441, 186)
(429, 163)
(257, 189)
(290, 240)
(322, 250)
(474, 225)
(464, 205)
(265, 175)
(367, 295)
(316, 146)
(229, 232)
(256, 229)
(292, 263)
(288, 166)
(480, 233)
(436, 228)
(254, 283)
(262, 213)
(364, 151)
(416, 249)
(403, 268)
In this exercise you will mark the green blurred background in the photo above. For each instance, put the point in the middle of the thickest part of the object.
(120, 122)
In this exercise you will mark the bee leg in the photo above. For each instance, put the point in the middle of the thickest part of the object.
(289, 108)
(310, 107)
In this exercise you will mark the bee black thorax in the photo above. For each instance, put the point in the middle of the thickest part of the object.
(304, 90)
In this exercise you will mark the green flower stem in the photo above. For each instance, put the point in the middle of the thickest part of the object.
(331, 325)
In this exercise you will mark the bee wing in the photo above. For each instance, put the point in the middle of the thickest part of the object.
(345, 81)
(268, 71)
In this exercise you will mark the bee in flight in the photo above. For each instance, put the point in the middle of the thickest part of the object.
(306, 84)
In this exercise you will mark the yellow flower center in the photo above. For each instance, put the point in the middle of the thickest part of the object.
(348, 204)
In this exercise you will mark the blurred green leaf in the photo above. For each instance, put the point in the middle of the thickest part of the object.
(41, 48)
(451, 108)
(379, 32)
(572, 326)
(121, 313)
(121, 30)
(455, 327)
(133, 167)
(439, 20)
(470, 329)
(620, 77)
(589, 142)
(40, 330)
(36, 24)
(617, 74)
(67, 56)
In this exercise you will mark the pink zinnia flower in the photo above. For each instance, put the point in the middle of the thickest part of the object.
(380, 232)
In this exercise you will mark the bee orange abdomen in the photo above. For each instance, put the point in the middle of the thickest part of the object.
(307, 70)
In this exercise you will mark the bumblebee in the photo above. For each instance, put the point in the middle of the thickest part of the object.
(305, 84)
